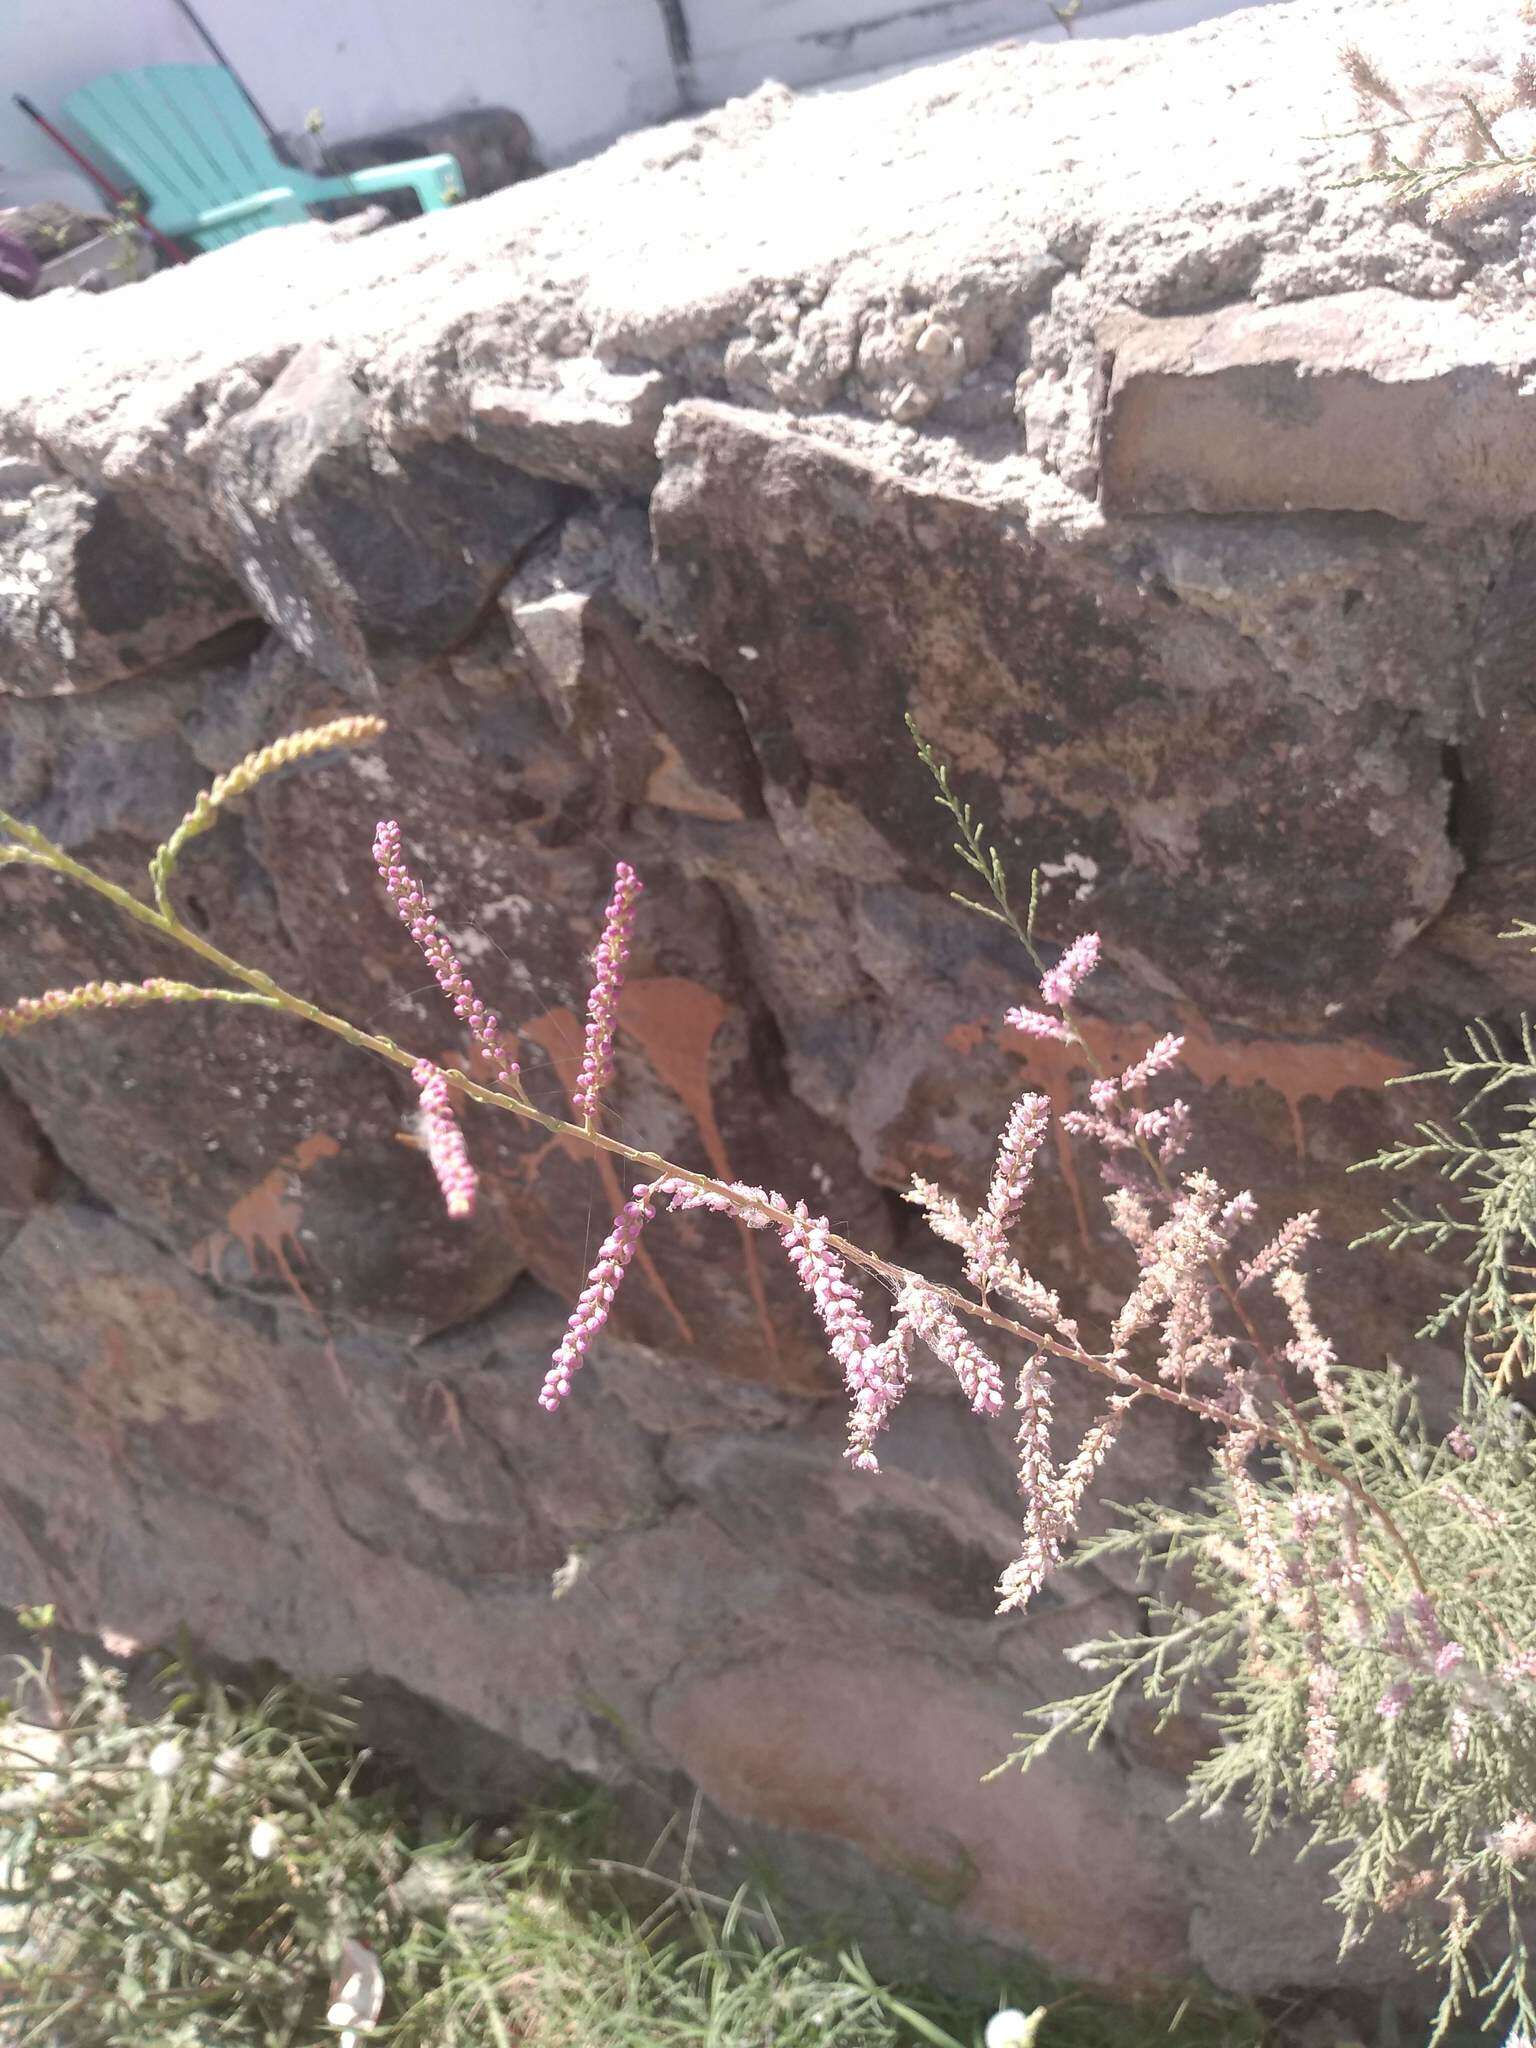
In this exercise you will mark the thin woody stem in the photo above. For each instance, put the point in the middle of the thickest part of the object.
(166, 924)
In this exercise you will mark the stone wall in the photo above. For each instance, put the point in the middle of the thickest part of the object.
(1064, 397)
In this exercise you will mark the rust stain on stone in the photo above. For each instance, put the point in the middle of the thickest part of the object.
(266, 1220)
(965, 1038)
(558, 1036)
(1320, 1070)
(676, 1022)
(671, 786)
(1297, 1070)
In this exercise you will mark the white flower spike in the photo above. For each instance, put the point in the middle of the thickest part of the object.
(1011, 2028)
(266, 1839)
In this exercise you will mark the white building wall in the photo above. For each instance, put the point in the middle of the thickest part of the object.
(579, 71)
(739, 43)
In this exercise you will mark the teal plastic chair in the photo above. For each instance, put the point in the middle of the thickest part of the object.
(188, 139)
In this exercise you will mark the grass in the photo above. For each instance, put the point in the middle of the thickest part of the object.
(204, 1868)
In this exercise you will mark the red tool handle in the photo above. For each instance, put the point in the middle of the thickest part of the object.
(102, 183)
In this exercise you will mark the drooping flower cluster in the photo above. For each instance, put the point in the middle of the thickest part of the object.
(1322, 1745)
(1321, 1752)
(97, 995)
(877, 1388)
(446, 1150)
(595, 1302)
(946, 1337)
(825, 1279)
(608, 960)
(354, 731)
(416, 913)
(1053, 1495)
(875, 1375)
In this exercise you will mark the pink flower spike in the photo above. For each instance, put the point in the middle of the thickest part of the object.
(603, 1000)
(1156, 1060)
(1282, 1249)
(945, 1336)
(883, 1373)
(1099, 1439)
(752, 1210)
(1177, 1131)
(1035, 1024)
(1046, 1525)
(595, 1302)
(1059, 984)
(1427, 1621)
(835, 1299)
(1024, 1133)
(1322, 1747)
(420, 919)
(1515, 1841)
(445, 1141)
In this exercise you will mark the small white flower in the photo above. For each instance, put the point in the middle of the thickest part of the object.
(265, 1840)
(226, 1768)
(165, 1760)
(1011, 2028)
(357, 1990)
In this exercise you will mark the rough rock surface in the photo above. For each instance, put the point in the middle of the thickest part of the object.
(1066, 397)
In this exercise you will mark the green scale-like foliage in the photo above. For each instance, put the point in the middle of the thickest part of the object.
(1486, 1161)
(1412, 1767)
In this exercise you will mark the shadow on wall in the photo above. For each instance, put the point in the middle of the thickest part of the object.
(493, 147)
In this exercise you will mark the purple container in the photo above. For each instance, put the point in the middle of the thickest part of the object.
(19, 268)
